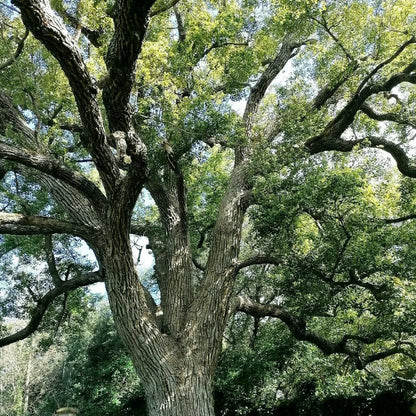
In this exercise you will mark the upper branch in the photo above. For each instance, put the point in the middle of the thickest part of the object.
(45, 301)
(130, 24)
(40, 19)
(327, 29)
(401, 48)
(330, 138)
(94, 36)
(273, 69)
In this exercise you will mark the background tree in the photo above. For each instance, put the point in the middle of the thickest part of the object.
(105, 102)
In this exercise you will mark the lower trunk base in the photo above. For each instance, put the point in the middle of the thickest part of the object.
(193, 399)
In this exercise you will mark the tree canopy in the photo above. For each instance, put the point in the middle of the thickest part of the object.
(264, 148)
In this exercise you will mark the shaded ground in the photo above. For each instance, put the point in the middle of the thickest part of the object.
(386, 404)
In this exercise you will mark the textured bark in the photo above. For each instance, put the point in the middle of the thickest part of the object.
(130, 22)
(10, 116)
(174, 260)
(23, 224)
(175, 380)
(54, 168)
(192, 396)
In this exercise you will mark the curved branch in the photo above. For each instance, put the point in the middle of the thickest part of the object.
(387, 353)
(17, 53)
(260, 259)
(404, 163)
(217, 45)
(164, 8)
(399, 219)
(366, 109)
(297, 326)
(45, 301)
(54, 168)
(345, 117)
(18, 224)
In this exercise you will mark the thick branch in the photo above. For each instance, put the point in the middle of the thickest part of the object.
(24, 225)
(78, 207)
(260, 259)
(45, 301)
(404, 163)
(174, 261)
(55, 169)
(11, 117)
(130, 24)
(40, 19)
(259, 89)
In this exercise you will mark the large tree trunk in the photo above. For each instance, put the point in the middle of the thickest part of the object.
(189, 393)
(176, 372)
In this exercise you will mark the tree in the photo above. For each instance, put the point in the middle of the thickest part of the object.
(104, 101)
